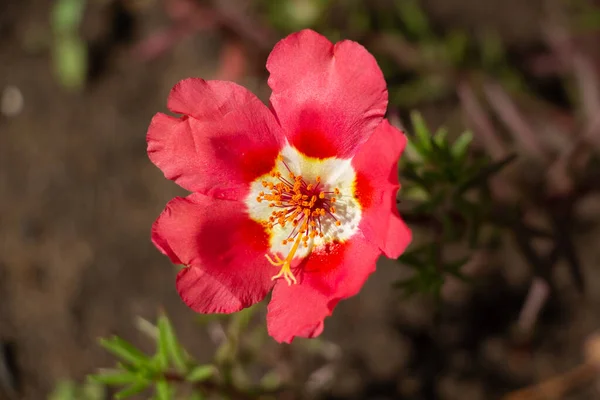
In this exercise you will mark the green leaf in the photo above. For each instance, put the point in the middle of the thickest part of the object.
(407, 286)
(114, 377)
(162, 343)
(93, 391)
(440, 136)
(196, 396)
(172, 345)
(454, 269)
(227, 351)
(163, 390)
(67, 15)
(461, 145)
(492, 49)
(200, 373)
(413, 18)
(411, 152)
(589, 20)
(486, 173)
(413, 192)
(240, 320)
(413, 257)
(449, 228)
(64, 390)
(134, 369)
(69, 56)
(271, 381)
(411, 175)
(125, 350)
(422, 133)
(440, 153)
(457, 43)
(132, 390)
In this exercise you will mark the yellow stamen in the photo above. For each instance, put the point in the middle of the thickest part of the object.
(286, 265)
(298, 203)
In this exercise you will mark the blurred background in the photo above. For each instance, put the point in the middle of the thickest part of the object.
(516, 300)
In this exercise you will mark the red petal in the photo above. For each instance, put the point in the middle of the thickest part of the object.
(225, 139)
(222, 248)
(328, 275)
(328, 99)
(376, 165)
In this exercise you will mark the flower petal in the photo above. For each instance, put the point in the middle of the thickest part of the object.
(226, 138)
(326, 276)
(328, 99)
(376, 165)
(223, 251)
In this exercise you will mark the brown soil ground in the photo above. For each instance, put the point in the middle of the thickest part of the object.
(78, 196)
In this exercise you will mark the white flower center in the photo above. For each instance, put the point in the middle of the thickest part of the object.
(304, 203)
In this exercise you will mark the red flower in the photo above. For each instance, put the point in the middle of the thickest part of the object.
(299, 199)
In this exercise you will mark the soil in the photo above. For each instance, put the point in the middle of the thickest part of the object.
(78, 196)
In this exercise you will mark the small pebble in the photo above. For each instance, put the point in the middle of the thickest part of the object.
(11, 103)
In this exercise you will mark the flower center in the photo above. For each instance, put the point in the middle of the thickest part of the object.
(301, 206)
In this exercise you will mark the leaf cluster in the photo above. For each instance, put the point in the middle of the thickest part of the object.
(447, 191)
(172, 373)
(136, 372)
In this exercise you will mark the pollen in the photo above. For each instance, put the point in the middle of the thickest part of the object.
(304, 207)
